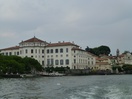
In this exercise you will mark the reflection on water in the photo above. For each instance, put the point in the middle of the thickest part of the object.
(69, 87)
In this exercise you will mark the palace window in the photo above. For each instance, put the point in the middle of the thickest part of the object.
(26, 51)
(88, 63)
(61, 50)
(56, 50)
(17, 53)
(67, 50)
(6, 53)
(92, 63)
(10, 53)
(61, 62)
(67, 61)
(35, 50)
(42, 51)
(31, 50)
(39, 51)
(14, 53)
(51, 50)
(47, 50)
(20, 51)
(43, 63)
(52, 61)
(56, 62)
(48, 62)
(74, 60)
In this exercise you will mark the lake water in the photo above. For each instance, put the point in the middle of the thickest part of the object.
(68, 87)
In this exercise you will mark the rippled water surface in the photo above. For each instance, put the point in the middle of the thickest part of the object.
(68, 87)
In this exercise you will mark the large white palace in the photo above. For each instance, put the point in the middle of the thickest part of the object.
(53, 54)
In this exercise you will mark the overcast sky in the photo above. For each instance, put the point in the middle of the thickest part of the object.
(86, 22)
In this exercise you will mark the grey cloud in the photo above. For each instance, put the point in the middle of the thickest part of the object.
(86, 22)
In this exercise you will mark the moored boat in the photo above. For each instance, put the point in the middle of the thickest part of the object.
(54, 74)
(11, 76)
(28, 75)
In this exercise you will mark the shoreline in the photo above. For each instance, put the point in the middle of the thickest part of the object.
(34, 76)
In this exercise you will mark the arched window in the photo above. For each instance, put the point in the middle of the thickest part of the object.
(47, 50)
(67, 50)
(42, 51)
(61, 62)
(61, 50)
(56, 62)
(56, 50)
(51, 50)
(31, 50)
(67, 61)
(26, 51)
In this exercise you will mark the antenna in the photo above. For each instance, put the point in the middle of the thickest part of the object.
(34, 35)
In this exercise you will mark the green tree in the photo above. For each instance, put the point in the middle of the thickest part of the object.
(87, 49)
(16, 64)
(99, 50)
(127, 68)
(31, 63)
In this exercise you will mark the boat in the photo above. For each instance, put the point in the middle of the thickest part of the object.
(54, 74)
(11, 75)
(27, 75)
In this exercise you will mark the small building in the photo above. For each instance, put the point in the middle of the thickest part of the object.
(128, 58)
(82, 59)
(103, 63)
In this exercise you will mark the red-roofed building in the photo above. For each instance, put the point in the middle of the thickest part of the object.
(53, 54)
(103, 63)
(61, 44)
(67, 54)
(33, 40)
(32, 47)
(10, 51)
(82, 59)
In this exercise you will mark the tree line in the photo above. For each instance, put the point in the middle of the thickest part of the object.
(105, 50)
(16, 64)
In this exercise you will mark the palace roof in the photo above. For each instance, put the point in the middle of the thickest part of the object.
(11, 48)
(102, 63)
(77, 48)
(34, 39)
(61, 44)
(101, 59)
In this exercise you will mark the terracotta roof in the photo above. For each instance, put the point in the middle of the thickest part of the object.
(77, 48)
(101, 59)
(11, 48)
(34, 39)
(113, 57)
(122, 55)
(102, 63)
(61, 44)
(92, 54)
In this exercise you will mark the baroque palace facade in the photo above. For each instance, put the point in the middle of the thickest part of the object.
(53, 54)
